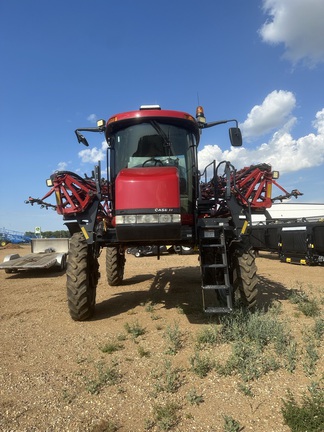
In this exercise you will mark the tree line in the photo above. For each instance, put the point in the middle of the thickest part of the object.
(50, 234)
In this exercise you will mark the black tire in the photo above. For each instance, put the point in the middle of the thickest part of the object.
(245, 278)
(115, 265)
(82, 278)
(9, 271)
(62, 266)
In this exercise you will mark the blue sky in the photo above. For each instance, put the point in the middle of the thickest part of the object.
(65, 63)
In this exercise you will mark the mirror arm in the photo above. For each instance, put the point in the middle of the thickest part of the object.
(82, 139)
(216, 123)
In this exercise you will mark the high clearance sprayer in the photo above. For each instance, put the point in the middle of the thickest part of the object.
(154, 194)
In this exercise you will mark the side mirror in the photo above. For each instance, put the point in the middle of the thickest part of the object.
(81, 138)
(235, 136)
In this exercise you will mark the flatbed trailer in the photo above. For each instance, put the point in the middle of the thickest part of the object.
(45, 253)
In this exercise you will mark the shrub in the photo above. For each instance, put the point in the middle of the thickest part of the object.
(173, 337)
(134, 329)
(307, 416)
(201, 364)
(309, 307)
(165, 416)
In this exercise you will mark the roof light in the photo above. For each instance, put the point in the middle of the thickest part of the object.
(200, 116)
(112, 119)
(150, 107)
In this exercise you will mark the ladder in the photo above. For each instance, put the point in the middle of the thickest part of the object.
(213, 258)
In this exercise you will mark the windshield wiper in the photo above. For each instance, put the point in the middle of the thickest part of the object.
(162, 134)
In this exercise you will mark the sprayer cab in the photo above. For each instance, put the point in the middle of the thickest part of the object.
(153, 173)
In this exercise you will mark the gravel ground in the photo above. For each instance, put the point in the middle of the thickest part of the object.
(61, 375)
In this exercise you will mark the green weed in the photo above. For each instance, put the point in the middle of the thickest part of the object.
(105, 426)
(245, 389)
(260, 343)
(106, 375)
(173, 336)
(231, 425)
(167, 379)
(248, 361)
(149, 307)
(111, 347)
(319, 329)
(208, 336)
(290, 359)
(309, 307)
(201, 364)
(68, 397)
(311, 356)
(258, 327)
(194, 398)
(134, 329)
(143, 352)
(166, 416)
(308, 415)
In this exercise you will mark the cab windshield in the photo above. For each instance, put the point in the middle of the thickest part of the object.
(136, 144)
(155, 144)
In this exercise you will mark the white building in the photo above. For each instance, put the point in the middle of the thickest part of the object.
(292, 211)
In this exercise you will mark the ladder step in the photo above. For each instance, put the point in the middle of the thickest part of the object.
(212, 245)
(214, 265)
(214, 227)
(215, 287)
(218, 310)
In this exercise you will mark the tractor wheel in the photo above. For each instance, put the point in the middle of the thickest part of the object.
(245, 278)
(115, 265)
(82, 278)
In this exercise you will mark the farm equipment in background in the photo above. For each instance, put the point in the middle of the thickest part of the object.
(154, 195)
(142, 251)
(298, 242)
(45, 253)
(10, 236)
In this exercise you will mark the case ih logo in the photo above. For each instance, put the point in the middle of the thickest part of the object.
(163, 210)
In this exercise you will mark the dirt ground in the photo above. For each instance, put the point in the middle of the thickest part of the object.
(56, 376)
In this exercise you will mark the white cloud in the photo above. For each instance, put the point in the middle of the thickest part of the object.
(282, 152)
(274, 112)
(61, 166)
(298, 24)
(94, 154)
(319, 122)
(92, 118)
